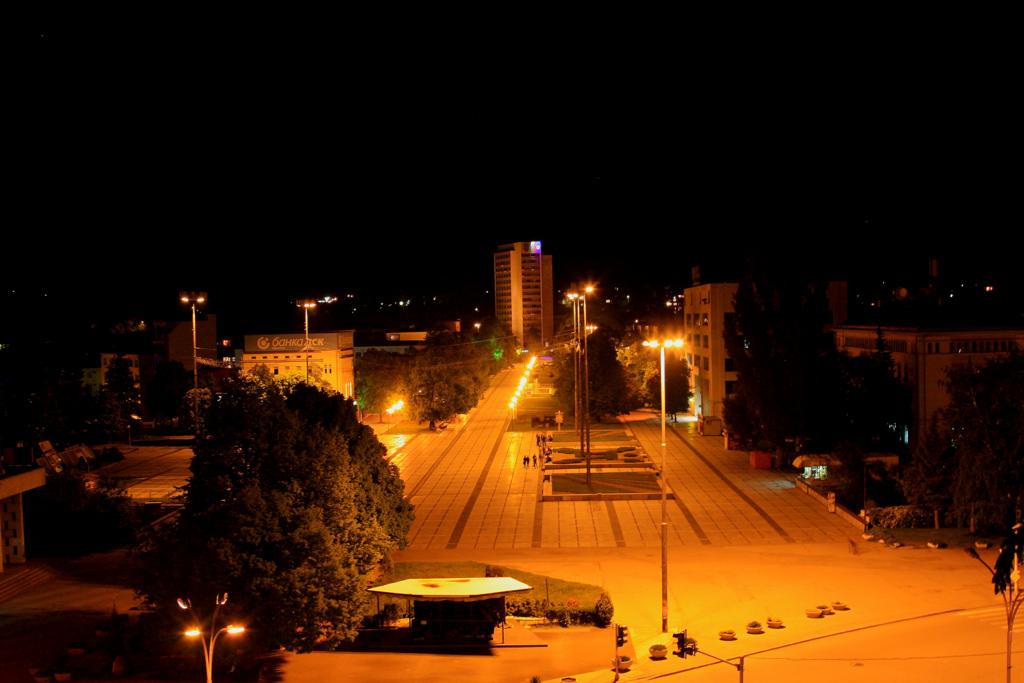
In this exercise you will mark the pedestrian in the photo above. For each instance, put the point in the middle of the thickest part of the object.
(534, 460)
(526, 461)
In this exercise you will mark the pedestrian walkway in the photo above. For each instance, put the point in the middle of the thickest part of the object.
(472, 492)
(770, 507)
(19, 579)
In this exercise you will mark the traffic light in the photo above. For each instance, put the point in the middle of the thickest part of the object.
(680, 643)
(687, 646)
(621, 635)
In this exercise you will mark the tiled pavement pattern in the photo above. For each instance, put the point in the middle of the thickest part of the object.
(152, 472)
(472, 492)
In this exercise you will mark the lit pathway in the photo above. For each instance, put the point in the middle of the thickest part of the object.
(732, 502)
(447, 479)
(472, 492)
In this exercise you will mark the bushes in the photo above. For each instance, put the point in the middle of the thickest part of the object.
(603, 611)
(73, 515)
(564, 614)
(900, 517)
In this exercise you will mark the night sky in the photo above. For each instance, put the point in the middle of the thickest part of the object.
(264, 160)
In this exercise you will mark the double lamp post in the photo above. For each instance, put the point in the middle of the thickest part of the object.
(194, 298)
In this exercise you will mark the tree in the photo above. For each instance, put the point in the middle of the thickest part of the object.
(447, 377)
(380, 379)
(169, 386)
(289, 507)
(986, 419)
(876, 405)
(677, 385)
(498, 342)
(785, 359)
(609, 391)
(120, 402)
(928, 481)
(639, 365)
(1006, 579)
(72, 516)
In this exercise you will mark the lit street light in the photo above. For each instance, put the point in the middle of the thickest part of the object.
(306, 305)
(208, 644)
(574, 298)
(586, 378)
(662, 344)
(194, 298)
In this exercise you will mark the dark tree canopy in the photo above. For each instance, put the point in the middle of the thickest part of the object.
(166, 390)
(449, 376)
(610, 392)
(787, 386)
(289, 507)
(876, 405)
(677, 383)
(928, 480)
(120, 398)
(380, 379)
(986, 421)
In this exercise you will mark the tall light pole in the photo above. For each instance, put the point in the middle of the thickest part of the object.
(1006, 576)
(208, 644)
(194, 298)
(306, 305)
(662, 344)
(586, 378)
(574, 298)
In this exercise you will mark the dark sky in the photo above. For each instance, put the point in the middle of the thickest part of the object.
(271, 157)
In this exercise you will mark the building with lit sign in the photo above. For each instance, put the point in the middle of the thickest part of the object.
(523, 293)
(329, 357)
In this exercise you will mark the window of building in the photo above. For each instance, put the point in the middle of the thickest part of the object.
(705, 320)
(730, 387)
(275, 371)
(730, 366)
(706, 364)
(704, 339)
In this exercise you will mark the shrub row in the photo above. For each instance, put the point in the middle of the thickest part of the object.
(565, 613)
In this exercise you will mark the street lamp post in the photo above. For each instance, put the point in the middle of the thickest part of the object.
(574, 298)
(586, 379)
(1006, 576)
(661, 345)
(194, 298)
(306, 305)
(208, 644)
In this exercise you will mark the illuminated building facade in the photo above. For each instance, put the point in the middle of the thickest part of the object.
(523, 293)
(711, 371)
(329, 357)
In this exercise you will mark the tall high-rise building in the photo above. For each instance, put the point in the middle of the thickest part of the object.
(523, 294)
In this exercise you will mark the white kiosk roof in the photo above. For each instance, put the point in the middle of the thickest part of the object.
(475, 588)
